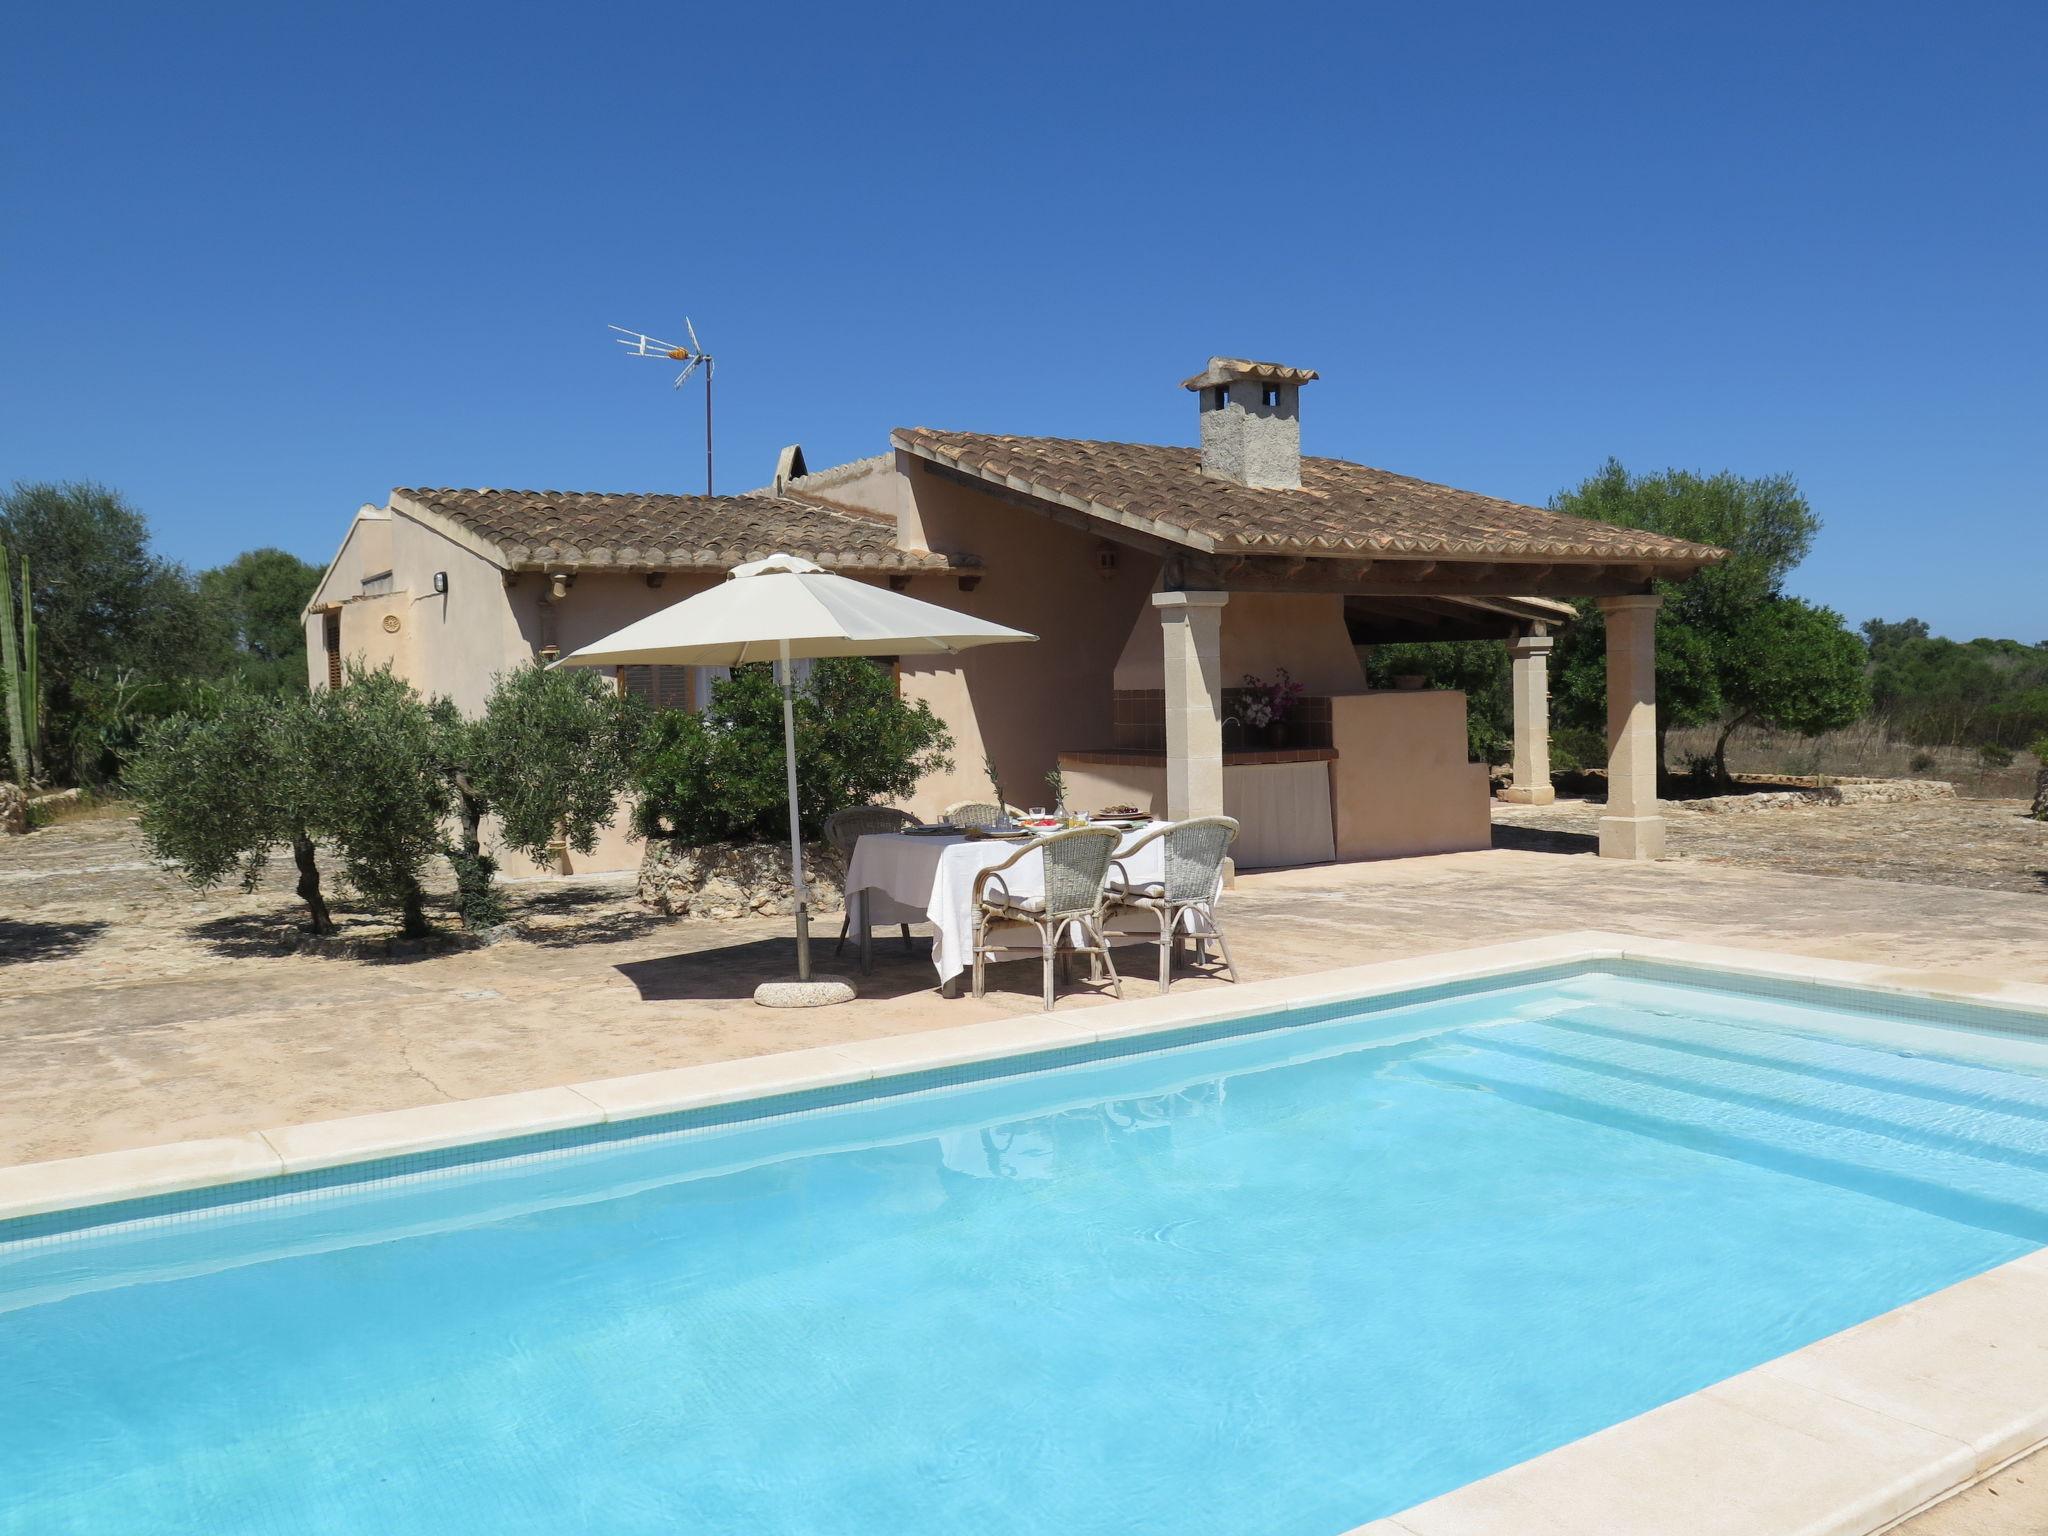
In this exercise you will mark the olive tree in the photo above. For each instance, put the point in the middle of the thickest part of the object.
(372, 754)
(221, 791)
(1791, 666)
(1719, 656)
(549, 757)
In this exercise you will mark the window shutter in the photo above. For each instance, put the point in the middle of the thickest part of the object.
(659, 687)
(330, 633)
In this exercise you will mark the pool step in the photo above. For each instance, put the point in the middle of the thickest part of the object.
(1950, 1082)
(1815, 1094)
(1946, 1182)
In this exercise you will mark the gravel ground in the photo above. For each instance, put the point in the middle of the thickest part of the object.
(1987, 845)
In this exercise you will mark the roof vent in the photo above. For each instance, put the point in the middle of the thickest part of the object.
(1251, 421)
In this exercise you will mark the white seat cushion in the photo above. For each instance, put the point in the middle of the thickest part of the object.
(1014, 903)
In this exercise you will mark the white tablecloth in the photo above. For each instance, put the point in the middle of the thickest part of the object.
(937, 874)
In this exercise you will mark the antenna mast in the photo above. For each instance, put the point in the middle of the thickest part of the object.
(639, 344)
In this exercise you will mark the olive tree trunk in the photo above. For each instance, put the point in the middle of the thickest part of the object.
(309, 883)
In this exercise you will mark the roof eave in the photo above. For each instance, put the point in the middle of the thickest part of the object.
(569, 560)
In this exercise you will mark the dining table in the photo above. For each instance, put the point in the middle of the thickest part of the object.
(927, 875)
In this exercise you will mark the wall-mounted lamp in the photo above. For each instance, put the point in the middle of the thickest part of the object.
(441, 582)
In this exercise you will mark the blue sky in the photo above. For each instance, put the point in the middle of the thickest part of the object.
(264, 262)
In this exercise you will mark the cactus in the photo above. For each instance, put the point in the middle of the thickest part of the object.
(18, 671)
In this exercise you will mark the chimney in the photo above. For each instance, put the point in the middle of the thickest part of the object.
(1251, 421)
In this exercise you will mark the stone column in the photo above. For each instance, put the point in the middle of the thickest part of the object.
(1191, 623)
(1531, 784)
(1632, 827)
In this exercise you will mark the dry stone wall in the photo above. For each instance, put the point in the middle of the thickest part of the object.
(1848, 792)
(727, 880)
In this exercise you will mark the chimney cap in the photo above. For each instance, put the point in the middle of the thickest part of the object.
(1227, 370)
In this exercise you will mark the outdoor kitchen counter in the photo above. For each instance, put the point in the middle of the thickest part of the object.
(1397, 781)
(1280, 797)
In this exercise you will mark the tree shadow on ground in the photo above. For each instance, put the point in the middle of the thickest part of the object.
(608, 928)
(26, 942)
(568, 916)
(1544, 839)
(369, 938)
(732, 971)
(246, 935)
(566, 900)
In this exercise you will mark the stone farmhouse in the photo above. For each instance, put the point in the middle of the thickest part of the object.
(1158, 578)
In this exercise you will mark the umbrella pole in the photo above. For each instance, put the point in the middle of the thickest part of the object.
(796, 840)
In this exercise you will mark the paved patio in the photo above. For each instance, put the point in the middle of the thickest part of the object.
(138, 1012)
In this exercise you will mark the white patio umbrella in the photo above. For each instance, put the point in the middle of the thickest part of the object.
(784, 609)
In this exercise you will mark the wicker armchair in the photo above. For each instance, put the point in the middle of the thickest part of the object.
(979, 813)
(845, 828)
(1184, 902)
(1076, 866)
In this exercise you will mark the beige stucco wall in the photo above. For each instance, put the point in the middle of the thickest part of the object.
(1402, 784)
(1262, 632)
(365, 553)
(1023, 703)
(466, 636)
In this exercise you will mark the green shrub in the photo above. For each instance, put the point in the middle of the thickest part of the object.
(1923, 762)
(1993, 756)
(718, 776)
(1577, 749)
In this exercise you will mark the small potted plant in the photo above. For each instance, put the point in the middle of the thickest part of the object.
(1255, 712)
(1268, 707)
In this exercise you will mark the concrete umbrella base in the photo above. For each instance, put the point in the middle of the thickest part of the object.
(819, 992)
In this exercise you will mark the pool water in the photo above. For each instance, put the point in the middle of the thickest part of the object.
(1284, 1282)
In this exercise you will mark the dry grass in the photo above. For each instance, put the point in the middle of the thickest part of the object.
(1861, 751)
(86, 807)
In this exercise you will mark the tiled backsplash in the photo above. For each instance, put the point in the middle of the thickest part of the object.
(1139, 717)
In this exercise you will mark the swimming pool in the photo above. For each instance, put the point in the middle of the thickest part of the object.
(1278, 1280)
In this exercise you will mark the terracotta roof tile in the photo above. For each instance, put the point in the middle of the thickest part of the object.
(1341, 509)
(569, 529)
(1223, 370)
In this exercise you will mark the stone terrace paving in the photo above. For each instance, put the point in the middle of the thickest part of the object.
(135, 1011)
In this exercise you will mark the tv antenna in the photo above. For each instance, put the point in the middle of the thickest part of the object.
(692, 357)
